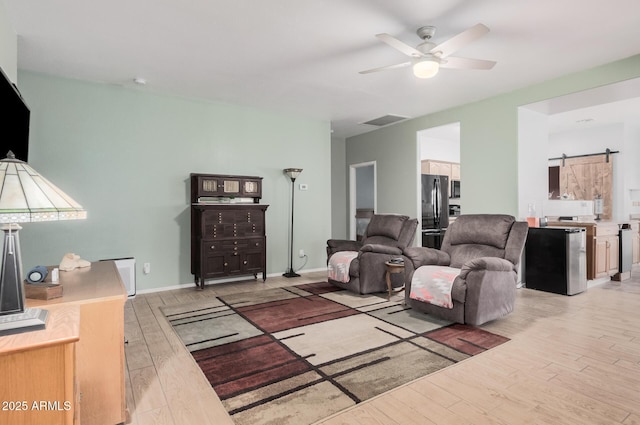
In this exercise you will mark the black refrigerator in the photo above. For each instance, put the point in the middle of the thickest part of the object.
(435, 209)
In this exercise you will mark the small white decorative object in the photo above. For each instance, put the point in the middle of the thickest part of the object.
(72, 261)
(55, 275)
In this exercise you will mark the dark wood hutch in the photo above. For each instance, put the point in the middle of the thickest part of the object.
(227, 227)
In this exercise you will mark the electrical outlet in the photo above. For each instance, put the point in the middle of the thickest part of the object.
(301, 253)
(146, 268)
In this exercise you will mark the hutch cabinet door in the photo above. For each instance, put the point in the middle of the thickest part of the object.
(212, 261)
(253, 258)
(232, 264)
(251, 188)
(209, 186)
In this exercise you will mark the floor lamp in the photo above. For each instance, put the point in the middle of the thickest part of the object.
(293, 173)
(25, 196)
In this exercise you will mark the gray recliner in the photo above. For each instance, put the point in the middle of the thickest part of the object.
(385, 238)
(486, 249)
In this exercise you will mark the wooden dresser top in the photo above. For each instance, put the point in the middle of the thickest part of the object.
(99, 282)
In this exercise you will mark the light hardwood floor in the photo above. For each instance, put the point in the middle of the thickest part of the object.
(571, 360)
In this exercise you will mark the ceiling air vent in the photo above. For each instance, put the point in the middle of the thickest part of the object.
(385, 120)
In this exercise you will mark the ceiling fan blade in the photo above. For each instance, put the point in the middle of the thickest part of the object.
(384, 68)
(466, 63)
(399, 45)
(457, 42)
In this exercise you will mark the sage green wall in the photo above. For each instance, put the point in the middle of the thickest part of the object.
(488, 144)
(339, 197)
(126, 156)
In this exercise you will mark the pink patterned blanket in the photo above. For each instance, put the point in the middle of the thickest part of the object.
(432, 284)
(338, 267)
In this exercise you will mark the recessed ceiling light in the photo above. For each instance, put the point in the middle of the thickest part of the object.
(140, 81)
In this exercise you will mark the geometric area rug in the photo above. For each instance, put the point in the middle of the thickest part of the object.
(298, 354)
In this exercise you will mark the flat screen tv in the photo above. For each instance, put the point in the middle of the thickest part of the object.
(14, 132)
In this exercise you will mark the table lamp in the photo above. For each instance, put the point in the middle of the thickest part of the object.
(25, 196)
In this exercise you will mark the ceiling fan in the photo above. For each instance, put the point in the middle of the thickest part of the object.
(427, 57)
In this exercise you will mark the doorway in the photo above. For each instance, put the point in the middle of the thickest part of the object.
(439, 157)
(362, 196)
(583, 123)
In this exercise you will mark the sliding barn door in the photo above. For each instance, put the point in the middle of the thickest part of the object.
(587, 178)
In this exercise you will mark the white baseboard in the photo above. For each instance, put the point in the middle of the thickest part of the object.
(218, 281)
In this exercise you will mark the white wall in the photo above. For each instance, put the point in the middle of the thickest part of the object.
(8, 46)
(440, 143)
(533, 176)
(631, 179)
(339, 196)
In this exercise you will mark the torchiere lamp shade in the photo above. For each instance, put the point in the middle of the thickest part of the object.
(293, 173)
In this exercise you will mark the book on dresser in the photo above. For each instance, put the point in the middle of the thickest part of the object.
(227, 227)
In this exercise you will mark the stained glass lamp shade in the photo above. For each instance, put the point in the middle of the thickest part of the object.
(25, 196)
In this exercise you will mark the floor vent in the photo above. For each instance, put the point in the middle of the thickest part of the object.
(385, 120)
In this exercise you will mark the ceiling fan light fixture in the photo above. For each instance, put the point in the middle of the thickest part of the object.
(426, 68)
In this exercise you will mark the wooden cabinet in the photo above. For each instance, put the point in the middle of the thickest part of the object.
(455, 171)
(38, 370)
(606, 250)
(100, 295)
(441, 168)
(227, 239)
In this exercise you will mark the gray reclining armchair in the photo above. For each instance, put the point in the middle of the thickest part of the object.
(479, 256)
(385, 238)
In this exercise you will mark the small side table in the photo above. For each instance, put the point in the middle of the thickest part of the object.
(393, 268)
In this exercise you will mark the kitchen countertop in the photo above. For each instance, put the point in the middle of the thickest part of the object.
(556, 222)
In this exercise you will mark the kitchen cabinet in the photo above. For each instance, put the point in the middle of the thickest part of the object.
(440, 168)
(455, 171)
(606, 261)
